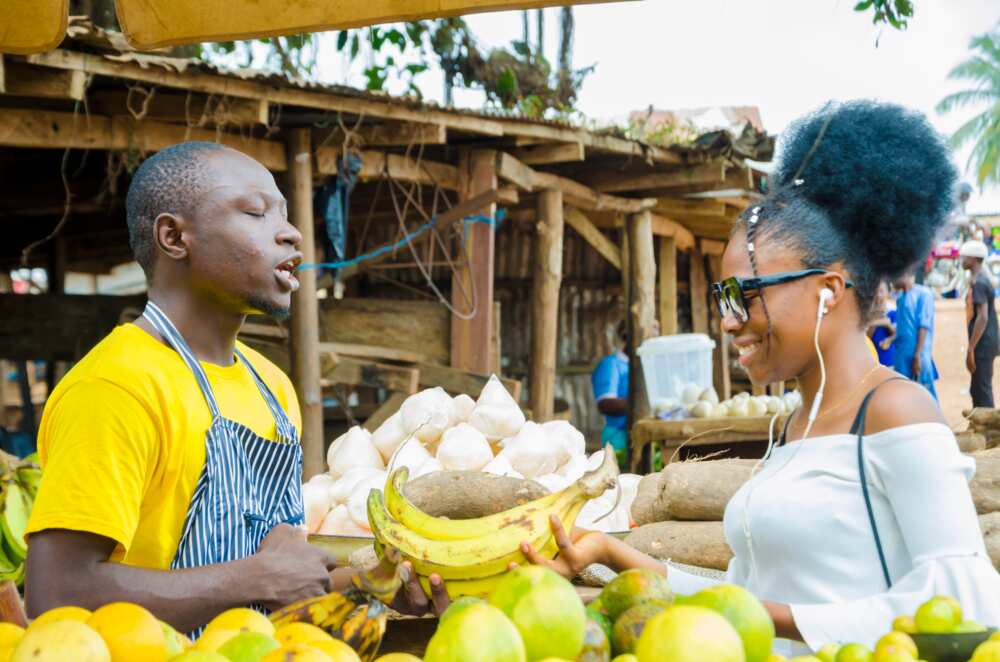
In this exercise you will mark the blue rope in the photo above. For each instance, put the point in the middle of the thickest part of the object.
(494, 222)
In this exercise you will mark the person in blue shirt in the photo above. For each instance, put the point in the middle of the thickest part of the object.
(610, 382)
(883, 330)
(915, 332)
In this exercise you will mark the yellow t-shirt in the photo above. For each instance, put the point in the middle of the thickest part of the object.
(122, 440)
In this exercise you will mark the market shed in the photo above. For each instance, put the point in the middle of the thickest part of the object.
(467, 266)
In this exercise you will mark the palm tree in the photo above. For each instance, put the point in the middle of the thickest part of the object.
(982, 70)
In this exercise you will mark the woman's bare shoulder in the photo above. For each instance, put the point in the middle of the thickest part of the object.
(900, 402)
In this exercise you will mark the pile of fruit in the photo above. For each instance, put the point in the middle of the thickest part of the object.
(933, 627)
(125, 632)
(18, 487)
(434, 432)
(698, 402)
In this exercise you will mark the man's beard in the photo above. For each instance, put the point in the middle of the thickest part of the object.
(267, 308)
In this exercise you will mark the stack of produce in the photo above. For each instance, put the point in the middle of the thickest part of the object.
(936, 632)
(679, 510)
(474, 555)
(18, 487)
(985, 423)
(338, 627)
(698, 402)
(433, 433)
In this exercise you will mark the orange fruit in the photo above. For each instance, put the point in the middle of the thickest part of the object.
(689, 634)
(336, 650)
(130, 631)
(212, 640)
(300, 633)
(242, 619)
(296, 653)
(61, 641)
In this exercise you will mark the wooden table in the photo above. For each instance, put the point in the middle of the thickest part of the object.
(671, 435)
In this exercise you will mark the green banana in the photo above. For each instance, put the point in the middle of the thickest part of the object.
(442, 528)
(16, 509)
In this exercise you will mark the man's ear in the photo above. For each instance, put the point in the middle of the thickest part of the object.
(169, 234)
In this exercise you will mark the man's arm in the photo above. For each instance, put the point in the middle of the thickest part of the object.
(72, 568)
(921, 337)
(613, 406)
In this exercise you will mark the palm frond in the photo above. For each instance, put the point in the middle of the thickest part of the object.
(971, 129)
(968, 98)
(978, 70)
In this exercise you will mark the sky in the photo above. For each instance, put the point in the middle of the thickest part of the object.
(785, 56)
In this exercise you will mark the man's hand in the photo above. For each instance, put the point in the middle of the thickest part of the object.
(411, 598)
(576, 551)
(970, 361)
(916, 367)
(288, 568)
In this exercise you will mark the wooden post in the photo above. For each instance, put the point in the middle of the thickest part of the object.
(720, 374)
(699, 292)
(641, 306)
(304, 322)
(473, 283)
(668, 286)
(545, 303)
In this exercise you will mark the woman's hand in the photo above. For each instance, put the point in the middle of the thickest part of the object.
(576, 550)
(413, 600)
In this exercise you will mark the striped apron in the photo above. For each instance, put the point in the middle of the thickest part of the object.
(249, 484)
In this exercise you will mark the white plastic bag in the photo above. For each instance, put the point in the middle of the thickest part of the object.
(353, 449)
(427, 414)
(464, 448)
(531, 452)
(571, 439)
(462, 406)
(357, 503)
(338, 522)
(342, 490)
(496, 414)
(388, 436)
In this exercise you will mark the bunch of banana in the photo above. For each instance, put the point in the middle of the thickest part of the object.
(19, 483)
(470, 555)
(357, 615)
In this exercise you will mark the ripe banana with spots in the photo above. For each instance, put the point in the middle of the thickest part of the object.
(357, 615)
(472, 554)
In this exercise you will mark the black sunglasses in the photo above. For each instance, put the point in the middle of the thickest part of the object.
(731, 294)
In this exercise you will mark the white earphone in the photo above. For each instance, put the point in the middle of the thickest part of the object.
(825, 295)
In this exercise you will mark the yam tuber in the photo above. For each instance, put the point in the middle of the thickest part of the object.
(990, 524)
(985, 484)
(701, 544)
(467, 494)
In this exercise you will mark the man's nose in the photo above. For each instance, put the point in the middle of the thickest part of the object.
(289, 234)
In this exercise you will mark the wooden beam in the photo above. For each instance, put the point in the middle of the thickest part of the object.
(712, 247)
(189, 109)
(472, 283)
(372, 352)
(640, 308)
(421, 327)
(720, 357)
(666, 227)
(708, 173)
(54, 130)
(59, 327)
(389, 134)
(699, 292)
(515, 172)
(683, 207)
(458, 381)
(584, 197)
(385, 410)
(593, 236)
(548, 154)
(3, 75)
(25, 80)
(668, 286)
(363, 372)
(304, 321)
(478, 204)
(547, 274)
(376, 165)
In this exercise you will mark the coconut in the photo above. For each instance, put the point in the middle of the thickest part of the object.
(496, 414)
(316, 501)
(462, 407)
(342, 490)
(532, 453)
(427, 414)
(388, 436)
(574, 468)
(357, 503)
(338, 522)
(571, 439)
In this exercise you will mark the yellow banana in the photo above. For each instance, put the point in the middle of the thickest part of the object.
(442, 528)
(474, 557)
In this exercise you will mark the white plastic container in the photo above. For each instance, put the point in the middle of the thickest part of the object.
(669, 363)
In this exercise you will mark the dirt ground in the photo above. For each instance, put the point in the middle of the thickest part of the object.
(950, 343)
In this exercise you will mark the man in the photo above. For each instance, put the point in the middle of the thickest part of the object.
(171, 457)
(914, 341)
(982, 324)
(610, 383)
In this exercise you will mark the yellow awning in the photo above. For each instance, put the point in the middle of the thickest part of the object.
(32, 26)
(155, 23)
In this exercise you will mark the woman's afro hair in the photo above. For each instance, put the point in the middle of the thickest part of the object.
(879, 172)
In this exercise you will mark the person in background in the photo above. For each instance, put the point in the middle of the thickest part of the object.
(610, 382)
(883, 330)
(915, 332)
(980, 311)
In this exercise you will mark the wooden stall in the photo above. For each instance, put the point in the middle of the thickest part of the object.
(517, 243)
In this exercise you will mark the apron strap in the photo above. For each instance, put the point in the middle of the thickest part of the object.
(173, 337)
(284, 425)
(858, 428)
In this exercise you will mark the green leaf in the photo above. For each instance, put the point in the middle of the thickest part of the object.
(355, 45)
(521, 47)
(342, 39)
(863, 5)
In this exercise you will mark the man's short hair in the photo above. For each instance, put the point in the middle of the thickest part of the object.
(170, 181)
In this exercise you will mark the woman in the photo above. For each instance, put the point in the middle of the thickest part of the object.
(859, 191)
(882, 331)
